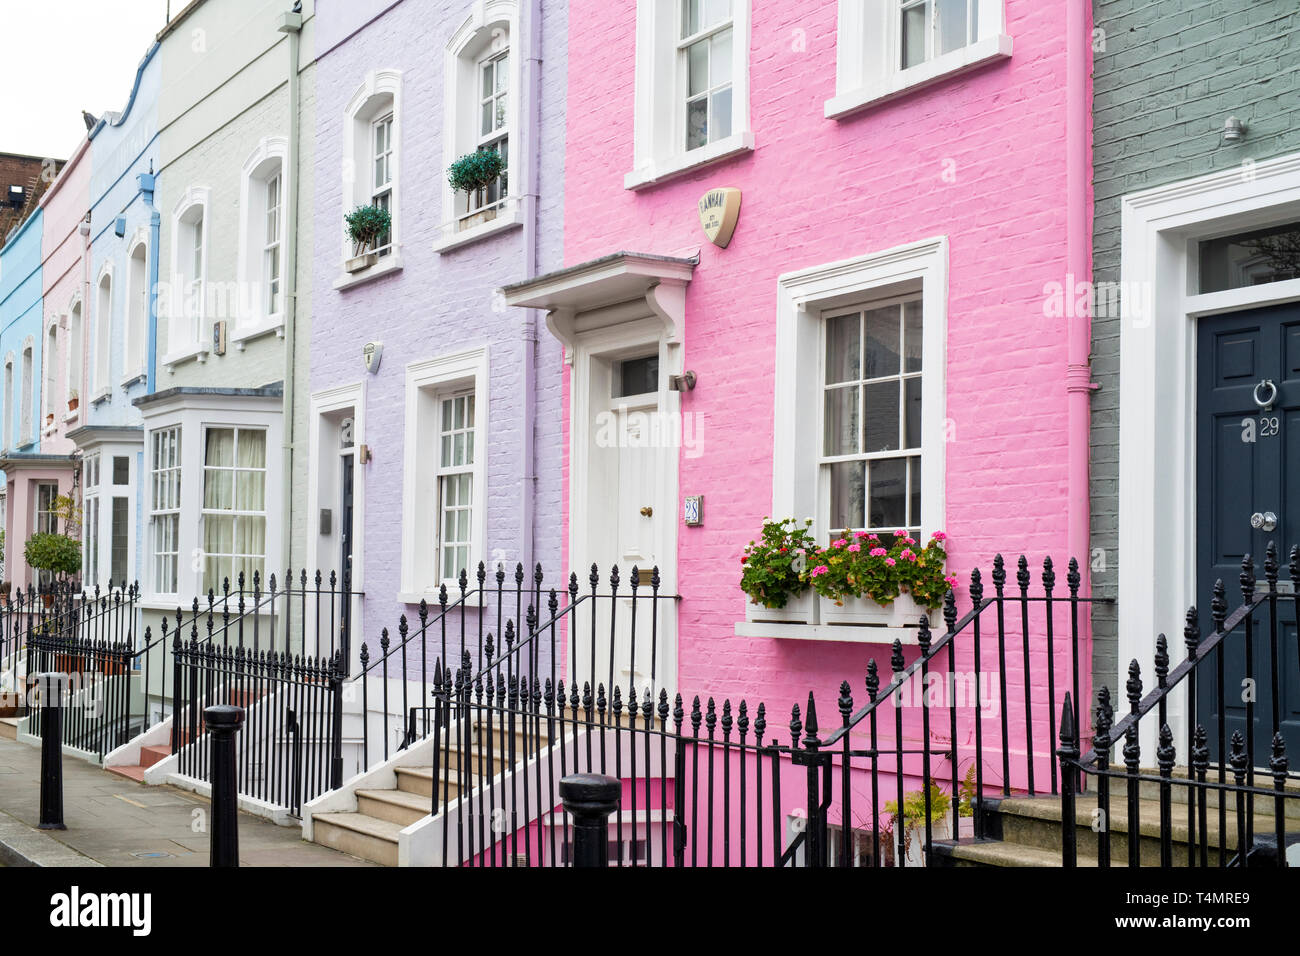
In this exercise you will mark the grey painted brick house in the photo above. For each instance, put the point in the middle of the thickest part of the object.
(1186, 221)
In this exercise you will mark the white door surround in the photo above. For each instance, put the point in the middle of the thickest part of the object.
(619, 305)
(1157, 451)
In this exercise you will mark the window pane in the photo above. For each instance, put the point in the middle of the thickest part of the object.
(1250, 258)
(912, 413)
(488, 79)
(697, 67)
(121, 470)
(915, 516)
(219, 450)
(690, 17)
(250, 490)
(118, 544)
(721, 126)
(843, 348)
(888, 501)
(697, 124)
(637, 376)
(952, 28)
(881, 327)
(914, 35)
(848, 491)
(715, 11)
(720, 59)
(880, 416)
(912, 336)
(841, 435)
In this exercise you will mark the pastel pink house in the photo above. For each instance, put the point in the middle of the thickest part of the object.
(875, 347)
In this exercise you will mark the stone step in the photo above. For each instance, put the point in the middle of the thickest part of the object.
(1035, 823)
(131, 772)
(358, 834)
(1150, 790)
(396, 806)
(154, 754)
(971, 852)
(9, 727)
(419, 780)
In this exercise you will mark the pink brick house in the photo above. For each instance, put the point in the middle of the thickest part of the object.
(876, 347)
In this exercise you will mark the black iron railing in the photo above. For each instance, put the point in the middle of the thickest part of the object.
(709, 783)
(1212, 806)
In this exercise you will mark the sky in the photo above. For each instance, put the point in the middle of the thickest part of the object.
(65, 56)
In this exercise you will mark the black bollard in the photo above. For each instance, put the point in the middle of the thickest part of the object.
(51, 689)
(590, 798)
(223, 722)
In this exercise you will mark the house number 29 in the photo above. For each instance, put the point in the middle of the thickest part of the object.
(1269, 426)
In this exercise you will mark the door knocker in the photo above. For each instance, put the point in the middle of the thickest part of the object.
(1265, 404)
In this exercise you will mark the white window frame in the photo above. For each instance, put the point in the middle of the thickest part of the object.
(26, 400)
(92, 474)
(101, 386)
(164, 474)
(73, 354)
(491, 30)
(136, 300)
(901, 453)
(803, 298)
(11, 401)
(869, 53)
(236, 512)
(427, 382)
(186, 331)
(254, 316)
(379, 94)
(50, 388)
(659, 137)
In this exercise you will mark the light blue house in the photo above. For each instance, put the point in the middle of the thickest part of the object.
(123, 274)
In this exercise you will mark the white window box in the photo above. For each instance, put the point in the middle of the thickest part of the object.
(836, 633)
(802, 609)
(505, 219)
(900, 612)
(659, 170)
(385, 266)
(882, 89)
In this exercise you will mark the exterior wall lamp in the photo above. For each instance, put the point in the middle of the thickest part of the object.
(1233, 130)
(682, 383)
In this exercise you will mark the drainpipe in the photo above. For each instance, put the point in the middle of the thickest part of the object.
(147, 183)
(1079, 267)
(532, 31)
(290, 24)
(1078, 375)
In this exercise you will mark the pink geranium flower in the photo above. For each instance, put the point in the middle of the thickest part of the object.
(878, 552)
(820, 570)
(939, 536)
(855, 547)
(907, 555)
(890, 561)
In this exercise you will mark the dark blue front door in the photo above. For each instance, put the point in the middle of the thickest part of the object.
(1248, 467)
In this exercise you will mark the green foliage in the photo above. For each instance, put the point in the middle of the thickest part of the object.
(861, 564)
(914, 807)
(966, 793)
(476, 170)
(367, 224)
(53, 552)
(776, 566)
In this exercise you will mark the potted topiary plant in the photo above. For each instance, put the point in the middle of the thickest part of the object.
(367, 225)
(864, 578)
(472, 174)
(57, 553)
(775, 574)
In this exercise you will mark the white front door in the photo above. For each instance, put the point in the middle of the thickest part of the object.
(627, 439)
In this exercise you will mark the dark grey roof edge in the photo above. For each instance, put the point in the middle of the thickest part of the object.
(274, 390)
(80, 430)
(591, 263)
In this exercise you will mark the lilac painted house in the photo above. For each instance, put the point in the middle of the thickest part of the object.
(435, 412)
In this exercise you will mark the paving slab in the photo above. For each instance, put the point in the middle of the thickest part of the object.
(114, 821)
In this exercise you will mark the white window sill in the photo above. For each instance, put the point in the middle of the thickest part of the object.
(242, 336)
(503, 221)
(199, 352)
(989, 50)
(49, 430)
(71, 416)
(100, 395)
(136, 376)
(839, 633)
(385, 266)
(659, 170)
